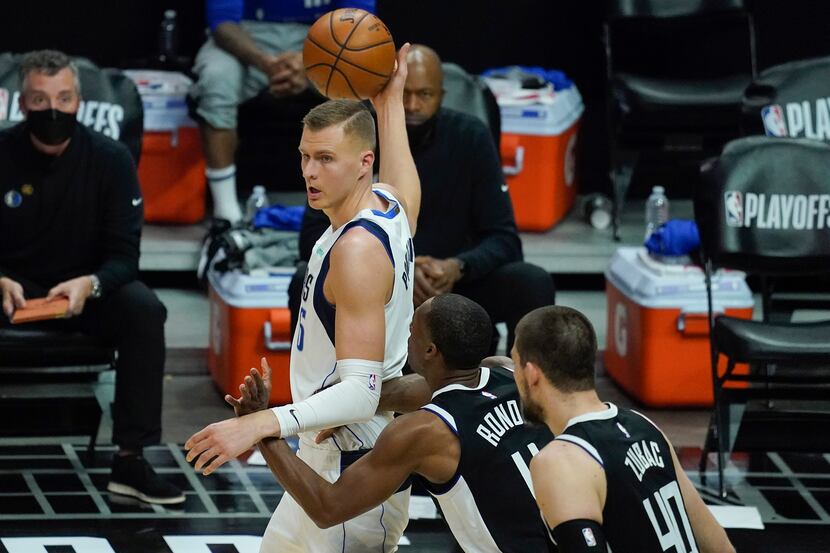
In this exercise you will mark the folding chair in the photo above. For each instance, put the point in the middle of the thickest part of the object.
(48, 383)
(763, 207)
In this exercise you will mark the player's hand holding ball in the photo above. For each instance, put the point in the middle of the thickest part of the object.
(349, 54)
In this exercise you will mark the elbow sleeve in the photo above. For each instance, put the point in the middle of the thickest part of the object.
(353, 399)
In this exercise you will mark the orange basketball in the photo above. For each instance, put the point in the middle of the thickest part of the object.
(349, 53)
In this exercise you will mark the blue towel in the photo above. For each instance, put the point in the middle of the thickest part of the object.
(280, 217)
(675, 237)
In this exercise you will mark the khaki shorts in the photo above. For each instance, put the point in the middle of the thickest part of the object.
(223, 82)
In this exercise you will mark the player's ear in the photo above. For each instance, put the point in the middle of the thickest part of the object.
(367, 160)
(532, 374)
(431, 352)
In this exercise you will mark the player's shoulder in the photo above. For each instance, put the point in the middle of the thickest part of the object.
(359, 242)
(561, 457)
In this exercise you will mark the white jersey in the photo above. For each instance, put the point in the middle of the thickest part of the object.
(313, 357)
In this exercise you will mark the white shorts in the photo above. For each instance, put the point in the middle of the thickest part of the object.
(291, 530)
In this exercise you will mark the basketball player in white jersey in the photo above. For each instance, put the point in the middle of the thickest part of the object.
(354, 319)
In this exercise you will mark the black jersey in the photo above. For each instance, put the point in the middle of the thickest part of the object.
(489, 503)
(644, 510)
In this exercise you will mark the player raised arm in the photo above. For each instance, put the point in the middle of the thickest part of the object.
(397, 168)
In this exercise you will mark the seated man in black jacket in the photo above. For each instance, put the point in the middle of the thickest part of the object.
(70, 225)
(467, 240)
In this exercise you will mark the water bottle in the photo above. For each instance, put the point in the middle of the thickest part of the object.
(168, 40)
(657, 210)
(255, 202)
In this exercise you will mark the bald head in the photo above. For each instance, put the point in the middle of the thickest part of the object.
(425, 60)
(424, 84)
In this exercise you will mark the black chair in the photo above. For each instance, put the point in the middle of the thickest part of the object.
(48, 381)
(790, 100)
(469, 94)
(677, 70)
(763, 207)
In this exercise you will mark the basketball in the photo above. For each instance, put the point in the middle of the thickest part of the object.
(349, 54)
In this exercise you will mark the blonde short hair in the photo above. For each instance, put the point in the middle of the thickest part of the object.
(355, 117)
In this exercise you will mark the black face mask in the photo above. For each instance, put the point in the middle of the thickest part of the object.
(51, 126)
(419, 135)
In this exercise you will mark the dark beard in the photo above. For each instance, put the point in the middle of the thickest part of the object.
(532, 413)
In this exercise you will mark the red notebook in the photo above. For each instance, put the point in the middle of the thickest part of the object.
(40, 310)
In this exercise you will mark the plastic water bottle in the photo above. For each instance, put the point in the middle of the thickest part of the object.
(256, 201)
(168, 39)
(657, 210)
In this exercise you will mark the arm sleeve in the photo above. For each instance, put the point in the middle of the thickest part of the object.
(220, 11)
(123, 217)
(353, 399)
(497, 240)
(314, 224)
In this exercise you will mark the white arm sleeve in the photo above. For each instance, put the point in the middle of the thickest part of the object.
(353, 399)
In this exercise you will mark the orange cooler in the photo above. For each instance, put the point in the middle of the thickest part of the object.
(249, 319)
(538, 151)
(171, 169)
(658, 335)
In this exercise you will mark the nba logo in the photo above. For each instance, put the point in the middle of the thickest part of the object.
(734, 204)
(590, 540)
(773, 117)
(373, 381)
(4, 104)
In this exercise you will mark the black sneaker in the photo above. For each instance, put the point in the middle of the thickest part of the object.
(132, 475)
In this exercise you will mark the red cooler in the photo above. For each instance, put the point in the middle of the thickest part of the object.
(172, 169)
(538, 151)
(658, 335)
(249, 319)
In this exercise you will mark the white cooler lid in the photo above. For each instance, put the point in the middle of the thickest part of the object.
(650, 283)
(163, 96)
(262, 288)
(544, 119)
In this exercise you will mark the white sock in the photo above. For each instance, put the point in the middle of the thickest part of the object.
(223, 189)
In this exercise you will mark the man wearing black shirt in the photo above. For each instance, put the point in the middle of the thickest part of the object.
(467, 240)
(70, 225)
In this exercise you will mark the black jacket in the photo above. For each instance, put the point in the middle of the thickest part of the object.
(71, 215)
